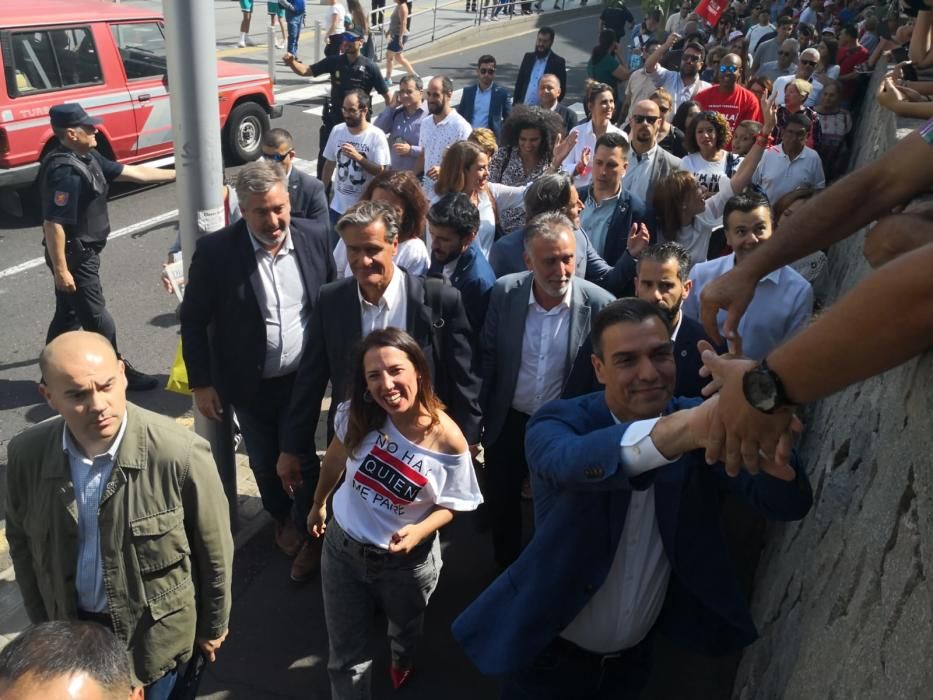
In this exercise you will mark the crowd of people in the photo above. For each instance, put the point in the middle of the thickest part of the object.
(505, 304)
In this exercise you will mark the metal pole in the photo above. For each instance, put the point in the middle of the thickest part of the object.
(318, 29)
(192, 77)
(434, 27)
(270, 52)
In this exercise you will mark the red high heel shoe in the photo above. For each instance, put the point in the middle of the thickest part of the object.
(399, 676)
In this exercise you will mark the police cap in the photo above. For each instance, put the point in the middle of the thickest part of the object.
(71, 114)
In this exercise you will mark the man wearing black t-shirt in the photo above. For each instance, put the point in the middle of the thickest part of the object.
(348, 71)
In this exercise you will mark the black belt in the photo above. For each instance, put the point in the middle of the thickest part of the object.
(568, 648)
(100, 618)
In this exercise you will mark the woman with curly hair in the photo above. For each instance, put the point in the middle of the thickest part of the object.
(406, 470)
(706, 140)
(687, 215)
(401, 189)
(524, 153)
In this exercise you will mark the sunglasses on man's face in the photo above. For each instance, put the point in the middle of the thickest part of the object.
(642, 118)
(487, 71)
(275, 157)
(728, 69)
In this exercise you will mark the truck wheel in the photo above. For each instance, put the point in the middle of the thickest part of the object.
(247, 124)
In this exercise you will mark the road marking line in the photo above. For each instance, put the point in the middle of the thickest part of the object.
(133, 228)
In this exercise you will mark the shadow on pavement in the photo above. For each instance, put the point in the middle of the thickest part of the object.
(278, 641)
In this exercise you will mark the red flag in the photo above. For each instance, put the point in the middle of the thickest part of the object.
(711, 10)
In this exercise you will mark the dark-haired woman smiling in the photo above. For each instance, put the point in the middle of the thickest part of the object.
(408, 468)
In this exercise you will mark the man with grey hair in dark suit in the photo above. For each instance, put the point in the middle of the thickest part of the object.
(379, 294)
(536, 323)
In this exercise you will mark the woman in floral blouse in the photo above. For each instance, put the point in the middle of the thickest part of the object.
(524, 153)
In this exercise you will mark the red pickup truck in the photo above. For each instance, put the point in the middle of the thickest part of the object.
(112, 59)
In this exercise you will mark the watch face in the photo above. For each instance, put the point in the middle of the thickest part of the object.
(760, 390)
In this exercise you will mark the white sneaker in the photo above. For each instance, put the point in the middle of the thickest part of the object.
(241, 44)
(280, 44)
(250, 42)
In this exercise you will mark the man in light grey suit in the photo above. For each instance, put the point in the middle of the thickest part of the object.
(648, 163)
(535, 325)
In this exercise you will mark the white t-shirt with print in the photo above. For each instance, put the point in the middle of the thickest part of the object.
(391, 482)
(350, 179)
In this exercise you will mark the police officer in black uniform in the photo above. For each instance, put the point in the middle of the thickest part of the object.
(74, 180)
(349, 70)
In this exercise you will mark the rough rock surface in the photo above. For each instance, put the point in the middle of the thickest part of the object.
(844, 599)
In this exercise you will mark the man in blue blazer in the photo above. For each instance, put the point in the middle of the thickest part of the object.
(609, 211)
(485, 104)
(627, 537)
(453, 221)
(260, 322)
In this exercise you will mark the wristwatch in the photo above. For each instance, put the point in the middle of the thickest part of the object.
(764, 390)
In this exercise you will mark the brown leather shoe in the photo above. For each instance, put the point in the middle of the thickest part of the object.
(308, 561)
(287, 537)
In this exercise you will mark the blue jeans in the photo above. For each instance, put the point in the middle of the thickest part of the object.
(563, 670)
(293, 22)
(162, 688)
(353, 577)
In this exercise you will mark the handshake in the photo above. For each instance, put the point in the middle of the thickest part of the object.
(733, 431)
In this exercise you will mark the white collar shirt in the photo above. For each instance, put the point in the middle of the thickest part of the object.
(390, 310)
(283, 303)
(543, 366)
(625, 607)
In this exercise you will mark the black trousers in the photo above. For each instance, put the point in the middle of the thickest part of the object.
(262, 421)
(505, 469)
(85, 307)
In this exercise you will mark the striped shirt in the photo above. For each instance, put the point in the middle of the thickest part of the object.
(90, 477)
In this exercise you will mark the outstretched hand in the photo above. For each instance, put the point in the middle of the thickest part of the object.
(739, 434)
(732, 292)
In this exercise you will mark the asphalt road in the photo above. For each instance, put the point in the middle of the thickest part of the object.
(144, 228)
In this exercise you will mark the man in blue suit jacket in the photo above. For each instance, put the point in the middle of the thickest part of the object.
(485, 105)
(453, 221)
(627, 534)
(260, 331)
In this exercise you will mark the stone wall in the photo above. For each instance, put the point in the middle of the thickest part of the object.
(844, 599)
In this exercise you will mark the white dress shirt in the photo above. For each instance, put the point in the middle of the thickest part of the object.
(777, 174)
(625, 607)
(585, 139)
(544, 353)
(673, 82)
(283, 303)
(89, 477)
(390, 310)
(782, 305)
